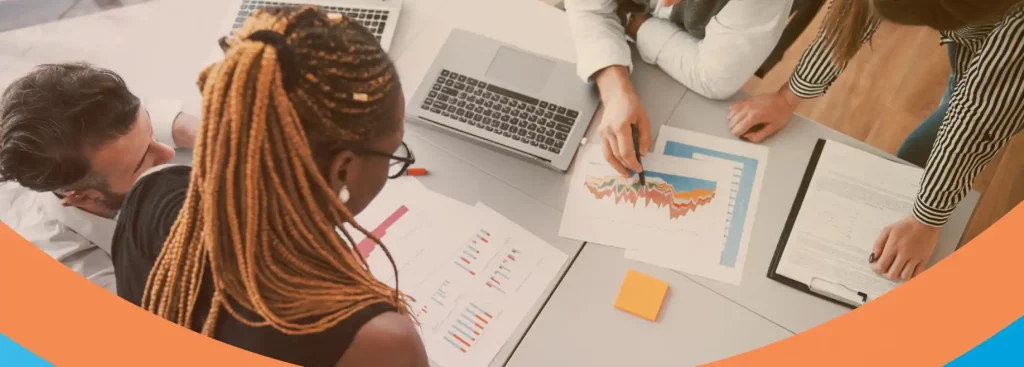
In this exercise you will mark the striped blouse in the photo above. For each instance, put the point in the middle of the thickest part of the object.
(986, 108)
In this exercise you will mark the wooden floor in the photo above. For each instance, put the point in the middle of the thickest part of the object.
(886, 91)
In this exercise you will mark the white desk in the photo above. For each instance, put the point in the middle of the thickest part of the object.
(579, 326)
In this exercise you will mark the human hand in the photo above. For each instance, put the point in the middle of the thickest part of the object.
(626, 8)
(634, 23)
(756, 118)
(622, 109)
(903, 249)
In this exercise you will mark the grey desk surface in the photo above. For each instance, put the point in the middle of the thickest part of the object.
(579, 326)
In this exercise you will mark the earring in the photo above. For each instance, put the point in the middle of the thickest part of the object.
(344, 194)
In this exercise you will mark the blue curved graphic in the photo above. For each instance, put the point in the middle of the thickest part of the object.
(12, 354)
(1006, 348)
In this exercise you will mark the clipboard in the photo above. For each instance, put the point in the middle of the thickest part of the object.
(819, 287)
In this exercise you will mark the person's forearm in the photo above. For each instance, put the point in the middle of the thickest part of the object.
(597, 33)
(984, 114)
(613, 81)
(714, 69)
(734, 45)
(789, 96)
(817, 68)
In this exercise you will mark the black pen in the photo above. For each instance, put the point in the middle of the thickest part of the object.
(636, 149)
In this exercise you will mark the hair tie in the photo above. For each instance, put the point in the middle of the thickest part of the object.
(286, 57)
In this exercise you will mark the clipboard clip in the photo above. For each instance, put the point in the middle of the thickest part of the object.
(837, 291)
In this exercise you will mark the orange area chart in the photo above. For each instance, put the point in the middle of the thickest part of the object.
(684, 197)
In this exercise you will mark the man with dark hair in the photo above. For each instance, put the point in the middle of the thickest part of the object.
(73, 139)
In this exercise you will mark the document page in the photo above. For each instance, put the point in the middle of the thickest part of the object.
(472, 274)
(852, 196)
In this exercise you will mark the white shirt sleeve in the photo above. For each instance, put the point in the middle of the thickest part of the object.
(736, 43)
(37, 217)
(163, 112)
(75, 252)
(97, 267)
(600, 38)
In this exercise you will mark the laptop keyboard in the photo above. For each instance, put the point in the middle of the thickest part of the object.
(372, 19)
(500, 111)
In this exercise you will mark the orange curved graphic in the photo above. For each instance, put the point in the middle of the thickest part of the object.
(930, 320)
(68, 321)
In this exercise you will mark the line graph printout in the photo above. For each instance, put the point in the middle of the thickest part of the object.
(748, 163)
(684, 202)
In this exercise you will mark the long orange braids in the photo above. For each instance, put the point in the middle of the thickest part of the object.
(258, 212)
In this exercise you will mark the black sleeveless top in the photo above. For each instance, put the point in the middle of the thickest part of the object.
(142, 226)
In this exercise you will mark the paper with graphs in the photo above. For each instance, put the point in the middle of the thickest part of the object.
(473, 275)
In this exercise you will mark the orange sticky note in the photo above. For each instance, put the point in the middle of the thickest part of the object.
(641, 295)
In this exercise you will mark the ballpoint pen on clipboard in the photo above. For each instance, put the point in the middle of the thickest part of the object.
(837, 291)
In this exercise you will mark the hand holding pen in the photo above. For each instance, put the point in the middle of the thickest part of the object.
(636, 150)
(622, 111)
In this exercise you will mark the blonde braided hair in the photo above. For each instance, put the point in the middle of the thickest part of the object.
(258, 211)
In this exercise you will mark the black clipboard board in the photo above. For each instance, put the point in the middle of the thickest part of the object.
(790, 221)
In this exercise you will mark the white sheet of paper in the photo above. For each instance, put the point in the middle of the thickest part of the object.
(852, 196)
(472, 274)
(748, 163)
(402, 215)
(484, 298)
(684, 203)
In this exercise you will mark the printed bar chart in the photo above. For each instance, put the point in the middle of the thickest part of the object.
(367, 245)
(510, 271)
(476, 252)
(468, 327)
(439, 294)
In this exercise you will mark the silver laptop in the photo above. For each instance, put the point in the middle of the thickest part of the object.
(378, 16)
(516, 101)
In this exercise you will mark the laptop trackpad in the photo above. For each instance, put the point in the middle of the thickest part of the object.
(520, 70)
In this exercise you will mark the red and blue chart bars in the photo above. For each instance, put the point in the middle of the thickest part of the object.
(470, 255)
(468, 327)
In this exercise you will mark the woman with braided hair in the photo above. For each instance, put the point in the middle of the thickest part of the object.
(302, 127)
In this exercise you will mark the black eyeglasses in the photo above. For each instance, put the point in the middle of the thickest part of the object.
(400, 161)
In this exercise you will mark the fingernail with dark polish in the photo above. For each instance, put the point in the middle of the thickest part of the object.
(871, 258)
(744, 138)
